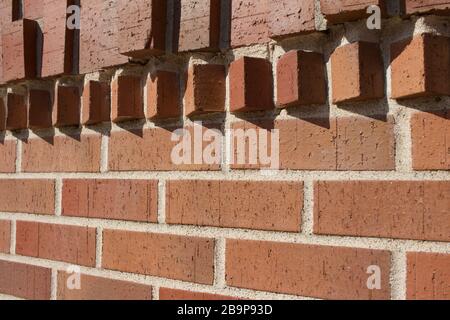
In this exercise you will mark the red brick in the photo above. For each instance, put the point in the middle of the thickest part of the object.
(173, 294)
(428, 276)
(427, 6)
(97, 288)
(301, 79)
(27, 196)
(251, 85)
(39, 109)
(65, 243)
(259, 205)
(169, 256)
(151, 150)
(62, 154)
(2, 108)
(142, 27)
(199, 25)
(163, 95)
(127, 99)
(420, 67)
(339, 11)
(99, 36)
(67, 107)
(17, 112)
(134, 200)
(418, 210)
(205, 89)
(96, 106)
(8, 156)
(25, 281)
(357, 72)
(305, 270)
(33, 9)
(430, 133)
(291, 17)
(249, 22)
(5, 236)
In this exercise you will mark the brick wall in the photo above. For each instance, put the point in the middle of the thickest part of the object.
(87, 177)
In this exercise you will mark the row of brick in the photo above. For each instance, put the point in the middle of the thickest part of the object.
(354, 208)
(293, 270)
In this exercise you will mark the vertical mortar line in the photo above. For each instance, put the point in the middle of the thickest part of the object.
(219, 263)
(226, 148)
(58, 196)
(307, 223)
(398, 275)
(104, 153)
(12, 248)
(161, 202)
(99, 247)
(155, 292)
(18, 155)
(53, 284)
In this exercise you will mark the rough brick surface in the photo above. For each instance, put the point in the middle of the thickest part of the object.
(338, 11)
(163, 95)
(173, 294)
(5, 236)
(249, 22)
(65, 243)
(127, 98)
(25, 281)
(8, 156)
(17, 118)
(291, 17)
(62, 154)
(134, 200)
(97, 288)
(28, 196)
(250, 205)
(314, 271)
(175, 257)
(33, 9)
(428, 276)
(419, 210)
(96, 103)
(423, 6)
(39, 109)
(67, 106)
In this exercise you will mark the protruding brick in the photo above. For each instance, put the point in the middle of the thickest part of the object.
(133, 200)
(173, 294)
(5, 236)
(25, 281)
(39, 109)
(420, 67)
(205, 89)
(199, 25)
(428, 276)
(430, 133)
(301, 79)
(8, 156)
(291, 17)
(163, 95)
(127, 98)
(339, 11)
(142, 27)
(97, 288)
(72, 244)
(17, 112)
(383, 209)
(249, 22)
(234, 204)
(427, 6)
(251, 85)
(182, 258)
(357, 72)
(305, 270)
(67, 106)
(96, 107)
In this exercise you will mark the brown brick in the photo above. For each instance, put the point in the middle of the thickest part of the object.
(17, 112)
(428, 276)
(67, 107)
(205, 89)
(8, 156)
(174, 294)
(97, 288)
(169, 256)
(134, 200)
(251, 85)
(259, 205)
(127, 99)
(39, 109)
(431, 140)
(291, 17)
(163, 95)
(420, 67)
(306, 270)
(339, 11)
(301, 79)
(96, 106)
(199, 25)
(5, 236)
(249, 22)
(142, 27)
(62, 154)
(25, 281)
(65, 243)
(383, 209)
(27, 196)
(428, 6)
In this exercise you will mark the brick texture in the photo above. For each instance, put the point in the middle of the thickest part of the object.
(163, 95)
(249, 22)
(127, 98)
(339, 11)
(173, 294)
(96, 103)
(291, 17)
(423, 6)
(17, 118)
(5, 236)
(39, 109)
(8, 156)
(67, 108)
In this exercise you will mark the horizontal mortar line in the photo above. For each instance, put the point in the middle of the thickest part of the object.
(240, 234)
(153, 280)
(9, 297)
